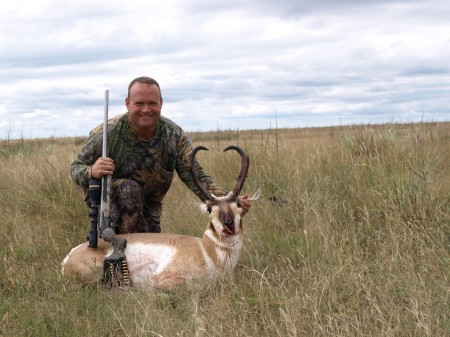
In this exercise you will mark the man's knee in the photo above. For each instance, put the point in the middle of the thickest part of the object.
(152, 226)
(126, 187)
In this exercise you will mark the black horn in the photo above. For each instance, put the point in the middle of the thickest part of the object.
(245, 162)
(197, 181)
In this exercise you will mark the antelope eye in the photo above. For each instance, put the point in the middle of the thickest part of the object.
(209, 210)
(239, 204)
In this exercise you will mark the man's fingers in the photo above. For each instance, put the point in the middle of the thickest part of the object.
(102, 167)
(245, 204)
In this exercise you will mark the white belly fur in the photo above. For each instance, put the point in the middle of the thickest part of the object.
(145, 261)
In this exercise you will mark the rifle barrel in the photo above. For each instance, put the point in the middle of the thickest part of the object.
(106, 180)
(105, 124)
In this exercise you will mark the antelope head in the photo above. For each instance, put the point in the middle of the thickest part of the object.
(224, 211)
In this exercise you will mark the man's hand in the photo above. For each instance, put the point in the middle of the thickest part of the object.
(245, 201)
(245, 204)
(104, 166)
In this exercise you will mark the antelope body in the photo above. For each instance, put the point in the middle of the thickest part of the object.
(157, 260)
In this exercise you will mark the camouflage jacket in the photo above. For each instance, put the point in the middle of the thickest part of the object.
(150, 163)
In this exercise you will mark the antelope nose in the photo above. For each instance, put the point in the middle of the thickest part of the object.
(229, 223)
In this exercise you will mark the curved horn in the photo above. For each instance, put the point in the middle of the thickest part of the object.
(245, 162)
(197, 181)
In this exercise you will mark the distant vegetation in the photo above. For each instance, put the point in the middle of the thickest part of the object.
(350, 238)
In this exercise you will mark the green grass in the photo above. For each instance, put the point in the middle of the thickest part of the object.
(350, 238)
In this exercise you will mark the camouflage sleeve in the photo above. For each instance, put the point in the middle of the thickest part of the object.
(183, 168)
(79, 169)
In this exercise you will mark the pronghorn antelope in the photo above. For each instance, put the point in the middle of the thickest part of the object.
(158, 260)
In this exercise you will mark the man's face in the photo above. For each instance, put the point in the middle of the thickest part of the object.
(144, 105)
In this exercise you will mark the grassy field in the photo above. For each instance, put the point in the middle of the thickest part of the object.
(350, 238)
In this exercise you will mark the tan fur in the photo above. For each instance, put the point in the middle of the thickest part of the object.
(195, 258)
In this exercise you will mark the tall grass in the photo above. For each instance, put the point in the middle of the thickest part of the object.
(350, 238)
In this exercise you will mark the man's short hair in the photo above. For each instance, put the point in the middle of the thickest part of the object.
(146, 80)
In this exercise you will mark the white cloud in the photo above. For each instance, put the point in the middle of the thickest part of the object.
(237, 63)
(40, 114)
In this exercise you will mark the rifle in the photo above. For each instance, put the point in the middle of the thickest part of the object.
(99, 192)
(115, 267)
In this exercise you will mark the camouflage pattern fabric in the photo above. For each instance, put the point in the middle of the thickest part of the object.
(151, 164)
(127, 209)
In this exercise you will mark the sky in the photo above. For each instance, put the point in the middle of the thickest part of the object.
(235, 64)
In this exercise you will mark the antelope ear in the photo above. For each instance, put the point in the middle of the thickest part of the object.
(204, 208)
(255, 195)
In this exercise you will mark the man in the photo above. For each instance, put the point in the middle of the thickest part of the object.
(144, 149)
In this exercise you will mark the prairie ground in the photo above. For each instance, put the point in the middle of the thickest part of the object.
(350, 238)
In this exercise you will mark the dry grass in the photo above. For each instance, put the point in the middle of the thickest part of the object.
(350, 238)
